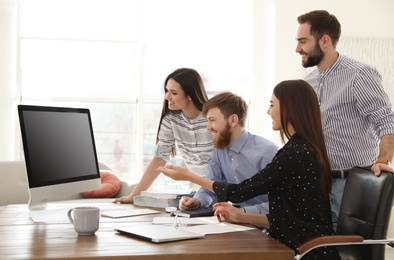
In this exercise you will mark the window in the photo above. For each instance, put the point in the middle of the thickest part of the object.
(112, 56)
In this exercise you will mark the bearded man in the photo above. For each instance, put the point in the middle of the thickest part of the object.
(237, 154)
(358, 121)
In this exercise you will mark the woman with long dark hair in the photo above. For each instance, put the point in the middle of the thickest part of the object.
(182, 124)
(298, 180)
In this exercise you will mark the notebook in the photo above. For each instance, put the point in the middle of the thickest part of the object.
(158, 233)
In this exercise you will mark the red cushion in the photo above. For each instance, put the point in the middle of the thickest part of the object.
(110, 185)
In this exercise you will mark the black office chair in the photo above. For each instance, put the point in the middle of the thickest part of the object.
(363, 218)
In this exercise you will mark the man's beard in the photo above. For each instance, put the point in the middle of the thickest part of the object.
(223, 138)
(314, 57)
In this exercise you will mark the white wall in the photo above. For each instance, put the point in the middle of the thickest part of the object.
(274, 46)
(358, 18)
(7, 77)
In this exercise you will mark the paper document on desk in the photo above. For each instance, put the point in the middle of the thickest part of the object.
(219, 228)
(50, 216)
(186, 221)
(56, 212)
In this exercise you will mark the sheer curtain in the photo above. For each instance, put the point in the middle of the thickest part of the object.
(7, 78)
(112, 56)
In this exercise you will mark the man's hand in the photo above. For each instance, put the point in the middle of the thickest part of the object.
(187, 203)
(377, 168)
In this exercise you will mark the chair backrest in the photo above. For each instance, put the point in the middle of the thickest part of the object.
(365, 210)
(13, 183)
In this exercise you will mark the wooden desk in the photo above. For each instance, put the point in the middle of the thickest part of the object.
(20, 238)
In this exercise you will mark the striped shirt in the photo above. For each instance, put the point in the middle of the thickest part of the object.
(356, 112)
(194, 141)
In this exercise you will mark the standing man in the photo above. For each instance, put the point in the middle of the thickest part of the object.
(237, 154)
(358, 121)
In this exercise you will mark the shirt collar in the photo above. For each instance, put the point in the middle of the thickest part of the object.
(333, 67)
(190, 121)
(237, 146)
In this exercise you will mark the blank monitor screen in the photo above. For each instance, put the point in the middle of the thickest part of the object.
(58, 145)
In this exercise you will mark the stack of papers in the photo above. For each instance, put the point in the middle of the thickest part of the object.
(165, 229)
(160, 199)
(185, 221)
(202, 225)
(172, 194)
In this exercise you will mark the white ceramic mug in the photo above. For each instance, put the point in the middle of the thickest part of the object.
(86, 219)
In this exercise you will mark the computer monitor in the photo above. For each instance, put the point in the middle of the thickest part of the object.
(60, 152)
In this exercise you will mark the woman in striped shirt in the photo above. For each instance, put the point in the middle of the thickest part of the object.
(181, 124)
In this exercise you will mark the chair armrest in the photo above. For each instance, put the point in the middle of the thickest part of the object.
(328, 240)
(104, 166)
(338, 240)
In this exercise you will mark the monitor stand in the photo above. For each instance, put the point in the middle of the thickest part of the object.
(37, 204)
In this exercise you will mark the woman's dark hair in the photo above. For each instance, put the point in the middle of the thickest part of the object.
(299, 107)
(322, 22)
(193, 86)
